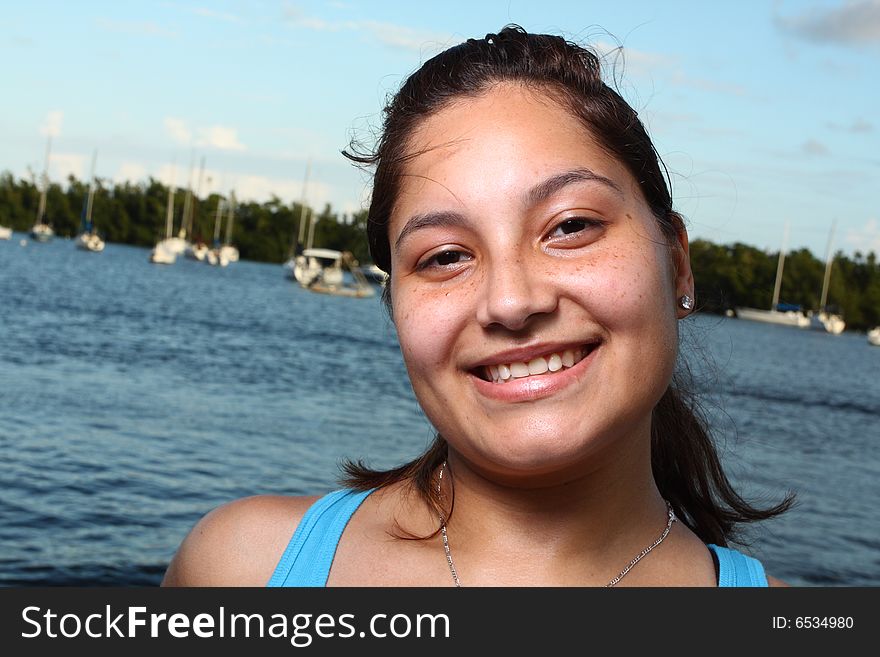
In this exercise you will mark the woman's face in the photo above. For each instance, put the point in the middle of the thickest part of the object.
(533, 292)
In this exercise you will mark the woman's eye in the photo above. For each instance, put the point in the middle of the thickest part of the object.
(444, 259)
(572, 226)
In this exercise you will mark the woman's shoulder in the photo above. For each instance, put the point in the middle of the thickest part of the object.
(238, 543)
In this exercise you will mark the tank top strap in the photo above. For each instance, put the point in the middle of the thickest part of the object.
(310, 552)
(737, 569)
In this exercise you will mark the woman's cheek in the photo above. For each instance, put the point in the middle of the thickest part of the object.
(425, 326)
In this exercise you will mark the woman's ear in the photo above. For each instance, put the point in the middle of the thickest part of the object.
(683, 277)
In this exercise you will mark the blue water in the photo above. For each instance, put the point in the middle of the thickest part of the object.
(136, 397)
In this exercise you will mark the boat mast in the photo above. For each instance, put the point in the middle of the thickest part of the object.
(828, 261)
(230, 213)
(187, 201)
(189, 225)
(41, 209)
(88, 226)
(169, 212)
(779, 267)
(311, 231)
(217, 217)
(302, 210)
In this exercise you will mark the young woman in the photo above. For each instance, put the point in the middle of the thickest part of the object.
(538, 273)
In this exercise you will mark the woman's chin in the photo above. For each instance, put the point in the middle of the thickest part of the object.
(528, 458)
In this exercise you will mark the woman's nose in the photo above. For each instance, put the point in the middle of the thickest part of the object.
(513, 291)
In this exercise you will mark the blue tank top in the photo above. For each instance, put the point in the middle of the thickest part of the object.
(309, 555)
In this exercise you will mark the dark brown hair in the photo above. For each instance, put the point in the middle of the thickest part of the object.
(685, 464)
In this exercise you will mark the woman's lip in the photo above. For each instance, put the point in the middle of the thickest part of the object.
(531, 388)
(524, 355)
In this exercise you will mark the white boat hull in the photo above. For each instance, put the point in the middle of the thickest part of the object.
(308, 271)
(42, 232)
(229, 252)
(175, 245)
(874, 336)
(5, 233)
(827, 322)
(197, 252)
(216, 258)
(89, 242)
(162, 256)
(786, 318)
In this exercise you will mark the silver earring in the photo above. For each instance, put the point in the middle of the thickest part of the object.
(686, 302)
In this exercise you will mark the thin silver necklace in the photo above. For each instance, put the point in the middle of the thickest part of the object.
(641, 555)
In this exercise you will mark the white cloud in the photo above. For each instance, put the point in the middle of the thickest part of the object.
(130, 172)
(866, 238)
(858, 125)
(168, 175)
(147, 28)
(262, 188)
(813, 147)
(219, 136)
(405, 38)
(390, 34)
(52, 125)
(178, 130)
(214, 136)
(219, 15)
(855, 22)
(62, 165)
(712, 86)
(638, 61)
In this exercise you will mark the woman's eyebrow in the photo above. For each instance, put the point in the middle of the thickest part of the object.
(440, 218)
(540, 192)
(546, 188)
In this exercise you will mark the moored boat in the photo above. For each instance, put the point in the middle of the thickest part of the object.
(41, 231)
(88, 238)
(780, 314)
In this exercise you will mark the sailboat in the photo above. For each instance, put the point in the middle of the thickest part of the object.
(312, 266)
(196, 250)
(228, 251)
(88, 238)
(874, 336)
(323, 270)
(5, 233)
(179, 245)
(785, 316)
(42, 231)
(222, 254)
(295, 265)
(824, 320)
(165, 253)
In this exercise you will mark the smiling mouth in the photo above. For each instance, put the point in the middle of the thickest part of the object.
(538, 366)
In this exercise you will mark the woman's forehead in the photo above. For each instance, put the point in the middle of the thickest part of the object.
(503, 143)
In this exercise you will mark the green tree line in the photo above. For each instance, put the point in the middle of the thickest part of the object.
(727, 276)
(134, 213)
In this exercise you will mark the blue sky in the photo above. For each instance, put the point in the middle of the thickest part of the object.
(764, 112)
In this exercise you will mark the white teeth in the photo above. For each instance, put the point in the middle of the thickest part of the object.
(540, 365)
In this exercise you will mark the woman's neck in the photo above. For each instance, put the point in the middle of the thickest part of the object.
(576, 526)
